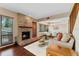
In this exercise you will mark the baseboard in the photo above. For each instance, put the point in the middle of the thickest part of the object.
(6, 46)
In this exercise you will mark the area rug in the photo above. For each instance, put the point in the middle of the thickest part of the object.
(36, 49)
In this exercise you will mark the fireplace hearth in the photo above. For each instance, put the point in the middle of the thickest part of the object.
(25, 35)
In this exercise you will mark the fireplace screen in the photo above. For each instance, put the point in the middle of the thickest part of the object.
(25, 35)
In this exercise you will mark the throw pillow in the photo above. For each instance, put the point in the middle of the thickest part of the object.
(59, 36)
(65, 37)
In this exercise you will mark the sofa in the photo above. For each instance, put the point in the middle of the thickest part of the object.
(66, 41)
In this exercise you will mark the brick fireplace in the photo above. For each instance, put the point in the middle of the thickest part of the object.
(27, 29)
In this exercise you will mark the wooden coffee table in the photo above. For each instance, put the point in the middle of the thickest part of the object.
(55, 50)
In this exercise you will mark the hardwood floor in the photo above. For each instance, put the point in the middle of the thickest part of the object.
(57, 50)
(15, 50)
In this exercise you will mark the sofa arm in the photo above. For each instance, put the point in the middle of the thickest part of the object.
(65, 44)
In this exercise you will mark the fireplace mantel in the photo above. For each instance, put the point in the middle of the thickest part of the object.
(24, 26)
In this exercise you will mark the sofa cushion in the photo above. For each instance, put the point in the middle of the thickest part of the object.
(65, 37)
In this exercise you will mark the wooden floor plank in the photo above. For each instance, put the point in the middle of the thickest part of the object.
(15, 50)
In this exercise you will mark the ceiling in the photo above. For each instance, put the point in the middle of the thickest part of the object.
(38, 10)
(56, 21)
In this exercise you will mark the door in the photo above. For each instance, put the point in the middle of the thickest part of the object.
(34, 29)
(6, 30)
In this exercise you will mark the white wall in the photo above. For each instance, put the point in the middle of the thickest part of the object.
(76, 33)
(62, 25)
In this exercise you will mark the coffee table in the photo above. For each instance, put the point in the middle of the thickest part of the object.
(55, 50)
(35, 49)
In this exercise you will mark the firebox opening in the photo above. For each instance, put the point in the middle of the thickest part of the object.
(25, 35)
